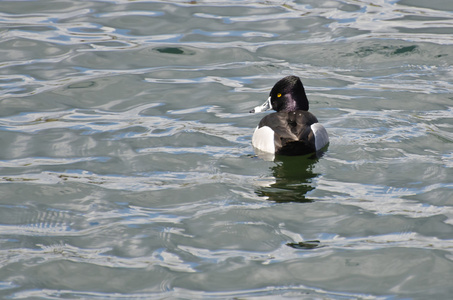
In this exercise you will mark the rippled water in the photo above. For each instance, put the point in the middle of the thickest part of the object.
(126, 169)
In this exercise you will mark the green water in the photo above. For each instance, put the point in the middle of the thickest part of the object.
(126, 166)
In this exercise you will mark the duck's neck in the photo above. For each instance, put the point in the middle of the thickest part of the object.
(296, 102)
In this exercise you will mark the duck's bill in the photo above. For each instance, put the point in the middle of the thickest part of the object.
(263, 107)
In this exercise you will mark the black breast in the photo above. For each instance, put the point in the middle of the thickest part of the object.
(292, 132)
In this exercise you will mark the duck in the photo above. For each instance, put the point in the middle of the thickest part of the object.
(292, 129)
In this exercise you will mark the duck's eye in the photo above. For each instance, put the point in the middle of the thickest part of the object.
(279, 95)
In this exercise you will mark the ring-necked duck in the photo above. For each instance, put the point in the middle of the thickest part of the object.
(292, 130)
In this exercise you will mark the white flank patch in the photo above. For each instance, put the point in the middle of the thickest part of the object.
(321, 136)
(263, 139)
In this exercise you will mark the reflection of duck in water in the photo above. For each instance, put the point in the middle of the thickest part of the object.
(292, 179)
(291, 130)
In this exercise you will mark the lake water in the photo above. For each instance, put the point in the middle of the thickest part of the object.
(126, 166)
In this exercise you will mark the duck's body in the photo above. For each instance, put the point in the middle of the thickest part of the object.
(292, 130)
(289, 133)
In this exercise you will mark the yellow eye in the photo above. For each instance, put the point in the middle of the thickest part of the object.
(279, 95)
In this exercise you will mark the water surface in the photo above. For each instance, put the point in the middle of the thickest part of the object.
(126, 169)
